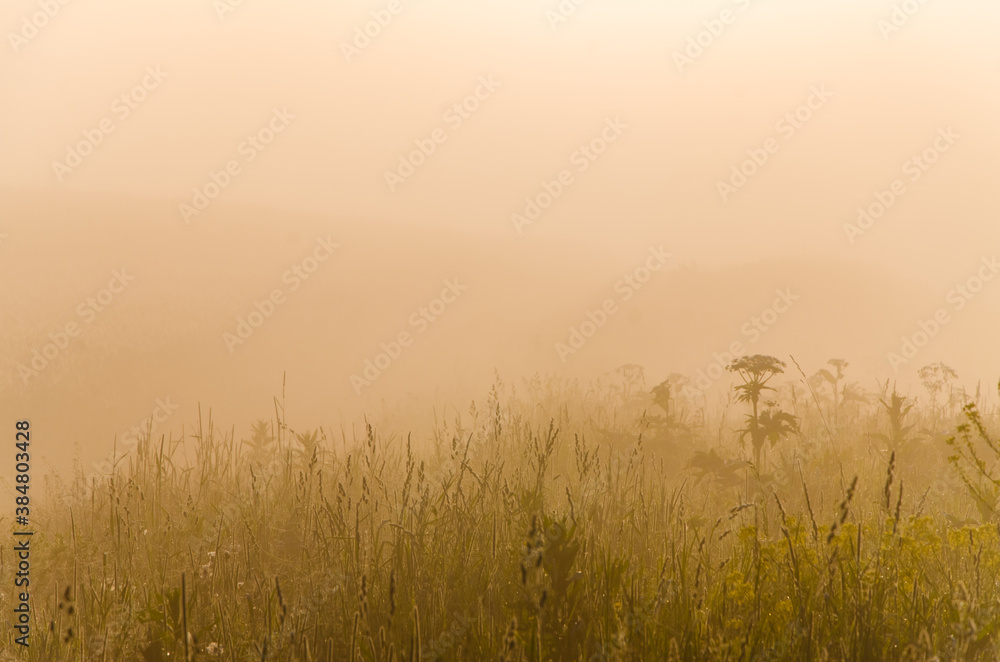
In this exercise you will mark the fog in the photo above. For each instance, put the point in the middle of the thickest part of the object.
(480, 189)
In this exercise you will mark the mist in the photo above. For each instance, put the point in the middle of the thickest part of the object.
(539, 160)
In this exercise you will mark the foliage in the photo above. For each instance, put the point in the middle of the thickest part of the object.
(771, 424)
(897, 408)
(532, 542)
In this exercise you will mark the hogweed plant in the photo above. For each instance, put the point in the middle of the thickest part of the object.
(772, 424)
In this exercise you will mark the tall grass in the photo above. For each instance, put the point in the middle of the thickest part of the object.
(561, 524)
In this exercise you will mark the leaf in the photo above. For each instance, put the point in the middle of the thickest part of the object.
(827, 375)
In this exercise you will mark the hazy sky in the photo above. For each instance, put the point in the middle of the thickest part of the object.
(742, 137)
(559, 82)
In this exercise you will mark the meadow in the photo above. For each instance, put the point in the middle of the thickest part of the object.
(796, 516)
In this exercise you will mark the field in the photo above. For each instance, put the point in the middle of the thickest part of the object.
(791, 518)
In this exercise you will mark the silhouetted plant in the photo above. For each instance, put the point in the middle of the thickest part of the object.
(308, 449)
(672, 425)
(756, 371)
(978, 473)
(897, 408)
(833, 379)
(775, 424)
(261, 439)
(711, 465)
(936, 378)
